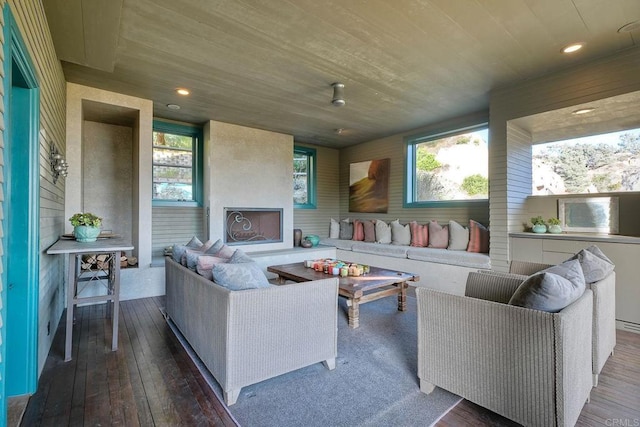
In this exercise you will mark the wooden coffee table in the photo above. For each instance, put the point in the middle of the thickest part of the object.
(376, 284)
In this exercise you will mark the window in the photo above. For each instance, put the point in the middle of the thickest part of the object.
(304, 177)
(177, 171)
(595, 164)
(448, 167)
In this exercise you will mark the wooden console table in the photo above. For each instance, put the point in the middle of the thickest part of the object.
(108, 270)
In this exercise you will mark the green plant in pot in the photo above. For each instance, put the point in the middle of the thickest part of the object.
(86, 226)
(554, 226)
(539, 225)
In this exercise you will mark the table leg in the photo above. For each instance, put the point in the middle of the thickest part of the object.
(71, 292)
(402, 297)
(354, 312)
(116, 301)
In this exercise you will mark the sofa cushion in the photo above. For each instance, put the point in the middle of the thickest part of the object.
(238, 277)
(346, 229)
(205, 265)
(551, 289)
(458, 237)
(595, 265)
(400, 234)
(369, 231)
(478, 237)
(358, 230)
(383, 232)
(388, 250)
(460, 258)
(419, 234)
(334, 229)
(438, 235)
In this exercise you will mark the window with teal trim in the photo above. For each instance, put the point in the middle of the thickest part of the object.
(448, 168)
(177, 160)
(304, 178)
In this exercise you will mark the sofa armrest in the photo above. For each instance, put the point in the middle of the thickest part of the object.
(604, 320)
(506, 358)
(498, 287)
(275, 330)
(526, 268)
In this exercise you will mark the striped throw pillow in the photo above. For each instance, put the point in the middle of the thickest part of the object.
(419, 234)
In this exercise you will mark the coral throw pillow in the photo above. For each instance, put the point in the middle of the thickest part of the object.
(478, 237)
(358, 230)
(419, 234)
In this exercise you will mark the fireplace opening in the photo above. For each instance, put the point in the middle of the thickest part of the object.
(249, 226)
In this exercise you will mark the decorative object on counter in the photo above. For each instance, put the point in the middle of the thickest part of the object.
(86, 226)
(554, 226)
(313, 238)
(306, 243)
(539, 225)
(297, 237)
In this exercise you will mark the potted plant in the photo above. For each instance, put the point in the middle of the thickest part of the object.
(86, 226)
(539, 225)
(554, 226)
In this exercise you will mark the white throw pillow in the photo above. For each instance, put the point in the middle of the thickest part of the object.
(383, 232)
(334, 229)
(400, 234)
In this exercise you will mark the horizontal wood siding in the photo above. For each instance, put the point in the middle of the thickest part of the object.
(393, 147)
(31, 21)
(316, 221)
(509, 158)
(171, 225)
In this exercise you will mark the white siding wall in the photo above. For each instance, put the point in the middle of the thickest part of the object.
(171, 225)
(316, 221)
(32, 23)
(509, 163)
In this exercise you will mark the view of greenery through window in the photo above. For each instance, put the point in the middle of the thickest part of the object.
(595, 164)
(452, 168)
(172, 167)
(300, 177)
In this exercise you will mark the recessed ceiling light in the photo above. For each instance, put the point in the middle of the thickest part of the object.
(583, 110)
(631, 26)
(182, 91)
(338, 131)
(173, 106)
(573, 47)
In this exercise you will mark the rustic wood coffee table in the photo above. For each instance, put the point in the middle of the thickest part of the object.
(378, 283)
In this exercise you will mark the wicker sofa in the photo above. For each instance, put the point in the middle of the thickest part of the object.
(248, 336)
(604, 312)
(527, 365)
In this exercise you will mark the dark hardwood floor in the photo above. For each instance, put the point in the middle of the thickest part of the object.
(151, 380)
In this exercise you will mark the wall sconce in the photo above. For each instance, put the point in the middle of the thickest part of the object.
(338, 95)
(58, 164)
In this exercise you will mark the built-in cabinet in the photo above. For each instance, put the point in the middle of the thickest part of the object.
(624, 251)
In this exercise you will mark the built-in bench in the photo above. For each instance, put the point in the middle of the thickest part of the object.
(440, 269)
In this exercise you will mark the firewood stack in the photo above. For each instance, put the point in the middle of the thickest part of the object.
(101, 261)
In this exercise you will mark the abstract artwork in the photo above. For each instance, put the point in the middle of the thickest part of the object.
(369, 186)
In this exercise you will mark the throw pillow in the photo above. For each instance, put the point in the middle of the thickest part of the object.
(238, 277)
(594, 267)
(178, 252)
(225, 252)
(215, 247)
(438, 235)
(334, 229)
(194, 242)
(458, 237)
(239, 257)
(346, 229)
(358, 230)
(383, 232)
(419, 234)
(551, 289)
(400, 234)
(206, 263)
(190, 258)
(369, 231)
(478, 238)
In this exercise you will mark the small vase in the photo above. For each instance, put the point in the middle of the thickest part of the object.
(85, 233)
(555, 229)
(297, 237)
(539, 228)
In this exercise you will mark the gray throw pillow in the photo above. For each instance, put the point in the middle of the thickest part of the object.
(595, 265)
(191, 258)
(346, 229)
(551, 289)
(194, 243)
(213, 249)
(239, 257)
(178, 251)
(458, 237)
(238, 277)
(400, 234)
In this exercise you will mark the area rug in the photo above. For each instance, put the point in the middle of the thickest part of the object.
(375, 382)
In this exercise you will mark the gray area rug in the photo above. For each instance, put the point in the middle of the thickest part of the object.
(375, 382)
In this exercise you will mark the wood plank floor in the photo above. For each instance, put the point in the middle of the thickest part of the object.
(151, 380)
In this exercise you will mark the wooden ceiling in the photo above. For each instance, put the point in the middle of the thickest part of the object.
(269, 64)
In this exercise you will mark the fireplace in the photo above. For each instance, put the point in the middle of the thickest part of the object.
(250, 226)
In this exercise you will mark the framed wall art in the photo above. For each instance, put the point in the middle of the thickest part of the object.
(369, 186)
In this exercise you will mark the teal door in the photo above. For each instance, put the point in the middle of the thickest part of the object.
(21, 216)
